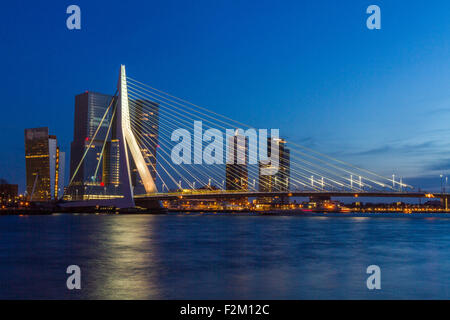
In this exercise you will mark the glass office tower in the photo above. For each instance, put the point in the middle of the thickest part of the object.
(98, 174)
(145, 115)
(90, 107)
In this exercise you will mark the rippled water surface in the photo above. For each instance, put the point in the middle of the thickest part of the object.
(224, 257)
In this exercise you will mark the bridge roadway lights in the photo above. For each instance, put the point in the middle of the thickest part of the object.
(308, 194)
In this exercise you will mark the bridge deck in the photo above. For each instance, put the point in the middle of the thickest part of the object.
(228, 194)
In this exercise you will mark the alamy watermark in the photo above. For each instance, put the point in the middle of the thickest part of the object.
(73, 21)
(74, 280)
(242, 147)
(374, 20)
(374, 280)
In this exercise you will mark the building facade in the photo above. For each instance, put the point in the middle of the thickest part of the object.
(236, 173)
(281, 179)
(89, 177)
(44, 165)
(145, 115)
(8, 191)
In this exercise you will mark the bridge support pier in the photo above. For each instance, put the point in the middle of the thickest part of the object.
(444, 201)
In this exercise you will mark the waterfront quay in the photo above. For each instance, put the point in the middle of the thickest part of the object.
(264, 204)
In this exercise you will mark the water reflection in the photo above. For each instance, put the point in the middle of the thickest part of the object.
(124, 264)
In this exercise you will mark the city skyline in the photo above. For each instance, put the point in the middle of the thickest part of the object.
(385, 108)
(225, 158)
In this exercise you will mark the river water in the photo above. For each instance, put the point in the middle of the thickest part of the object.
(199, 256)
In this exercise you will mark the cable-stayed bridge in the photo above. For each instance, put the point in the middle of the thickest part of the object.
(160, 147)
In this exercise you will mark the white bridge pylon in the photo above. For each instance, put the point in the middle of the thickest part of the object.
(127, 141)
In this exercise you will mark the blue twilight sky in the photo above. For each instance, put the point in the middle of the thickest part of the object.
(376, 98)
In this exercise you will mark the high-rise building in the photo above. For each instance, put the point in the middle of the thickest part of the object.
(61, 165)
(146, 125)
(236, 175)
(44, 165)
(90, 107)
(54, 165)
(280, 180)
(110, 175)
(98, 173)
